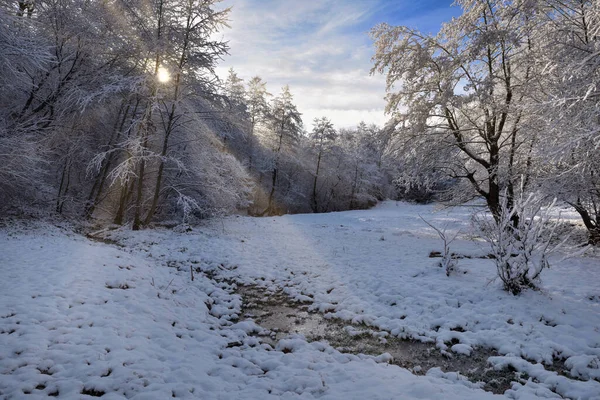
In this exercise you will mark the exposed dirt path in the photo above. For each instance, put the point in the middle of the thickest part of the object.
(282, 317)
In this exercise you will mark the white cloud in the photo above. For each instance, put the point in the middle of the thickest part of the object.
(344, 118)
(320, 48)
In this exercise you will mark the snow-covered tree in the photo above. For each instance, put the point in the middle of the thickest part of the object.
(466, 87)
(569, 105)
(285, 131)
(234, 89)
(22, 52)
(358, 168)
(323, 136)
(258, 110)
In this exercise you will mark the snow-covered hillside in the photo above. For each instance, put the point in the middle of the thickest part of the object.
(82, 318)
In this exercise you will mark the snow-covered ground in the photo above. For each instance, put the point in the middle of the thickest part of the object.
(81, 318)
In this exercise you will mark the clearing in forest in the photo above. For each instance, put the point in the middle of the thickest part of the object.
(82, 318)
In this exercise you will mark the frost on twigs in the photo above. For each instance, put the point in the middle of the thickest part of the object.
(188, 205)
(448, 259)
(520, 240)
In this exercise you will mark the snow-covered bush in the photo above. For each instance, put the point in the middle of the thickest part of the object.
(520, 240)
(420, 190)
(448, 262)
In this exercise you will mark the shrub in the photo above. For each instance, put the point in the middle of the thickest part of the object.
(520, 239)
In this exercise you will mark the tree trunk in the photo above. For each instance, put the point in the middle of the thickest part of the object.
(100, 180)
(269, 209)
(493, 194)
(126, 193)
(592, 226)
(63, 187)
(137, 222)
(314, 204)
(137, 217)
(251, 144)
(161, 168)
(354, 187)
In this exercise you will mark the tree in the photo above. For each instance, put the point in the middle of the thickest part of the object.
(569, 105)
(235, 90)
(466, 87)
(258, 109)
(358, 170)
(323, 135)
(418, 170)
(286, 127)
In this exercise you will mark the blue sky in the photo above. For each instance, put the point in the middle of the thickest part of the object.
(321, 48)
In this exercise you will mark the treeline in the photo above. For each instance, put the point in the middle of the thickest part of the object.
(112, 110)
(295, 170)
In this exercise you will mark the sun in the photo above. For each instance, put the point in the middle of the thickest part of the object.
(163, 75)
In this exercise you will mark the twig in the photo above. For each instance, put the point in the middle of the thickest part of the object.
(169, 284)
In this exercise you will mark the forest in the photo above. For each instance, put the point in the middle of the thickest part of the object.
(112, 110)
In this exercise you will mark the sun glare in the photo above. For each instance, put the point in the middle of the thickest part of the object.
(163, 75)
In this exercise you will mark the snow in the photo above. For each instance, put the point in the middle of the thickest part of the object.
(78, 316)
(462, 349)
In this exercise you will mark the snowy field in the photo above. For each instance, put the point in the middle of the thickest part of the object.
(81, 318)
